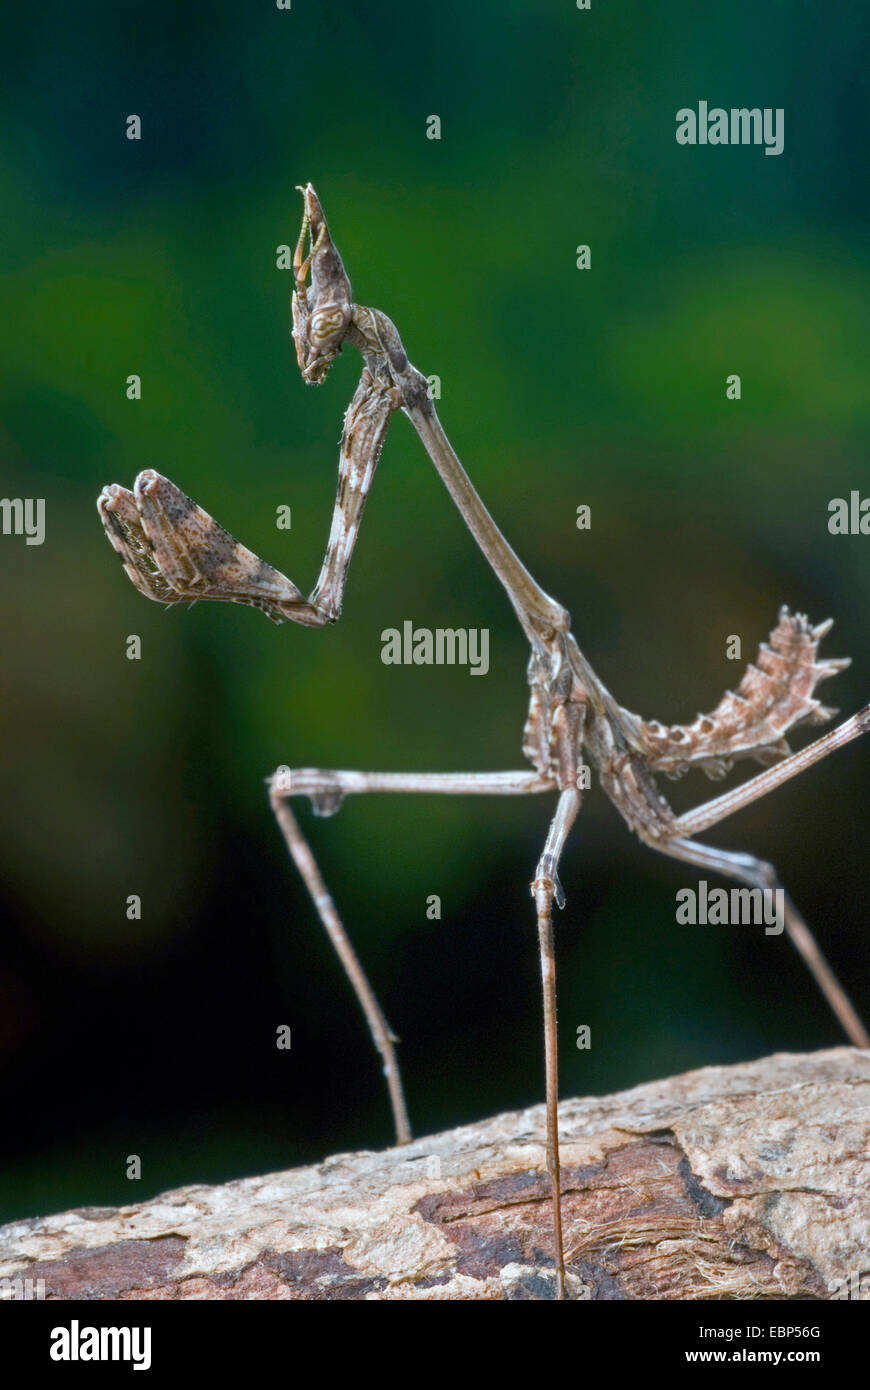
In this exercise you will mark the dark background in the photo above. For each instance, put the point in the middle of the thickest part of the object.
(559, 387)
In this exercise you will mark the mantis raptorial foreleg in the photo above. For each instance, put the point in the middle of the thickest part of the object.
(174, 552)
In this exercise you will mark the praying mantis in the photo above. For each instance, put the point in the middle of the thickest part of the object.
(174, 552)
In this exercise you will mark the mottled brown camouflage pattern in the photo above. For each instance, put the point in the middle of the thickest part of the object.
(775, 695)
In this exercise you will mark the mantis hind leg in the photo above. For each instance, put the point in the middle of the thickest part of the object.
(757, 873)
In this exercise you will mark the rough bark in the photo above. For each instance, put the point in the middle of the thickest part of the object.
(742, 1182)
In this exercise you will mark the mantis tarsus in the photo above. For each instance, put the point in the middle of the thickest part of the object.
(173, 552)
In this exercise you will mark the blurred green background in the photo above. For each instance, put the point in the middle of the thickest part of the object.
(559, 387)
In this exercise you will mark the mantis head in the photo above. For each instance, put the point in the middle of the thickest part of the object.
(322, 310)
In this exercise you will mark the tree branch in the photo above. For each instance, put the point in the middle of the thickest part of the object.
(743, 1182)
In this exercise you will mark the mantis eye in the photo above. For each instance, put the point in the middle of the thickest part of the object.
(326, 323)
